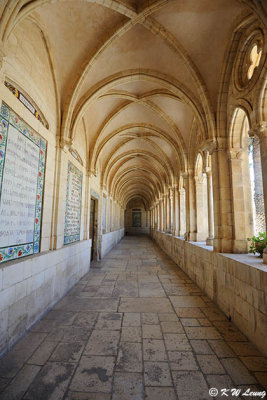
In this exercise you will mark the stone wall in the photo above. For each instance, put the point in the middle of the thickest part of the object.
(109, 240)
(237, 283)
(29, 287)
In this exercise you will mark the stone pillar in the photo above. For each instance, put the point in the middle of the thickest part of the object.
(165, 218)
(167, 205)
(222, 199)
(176, 211)
(201, 212)
(171, 222)
(210, 238)
(182, 211)
(241, 231)
(158, 206)
(161, 202)
(191, 229)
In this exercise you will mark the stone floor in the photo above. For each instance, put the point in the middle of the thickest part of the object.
(135, 327)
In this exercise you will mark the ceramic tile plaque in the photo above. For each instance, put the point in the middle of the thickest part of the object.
(73, 205)
(22, 166)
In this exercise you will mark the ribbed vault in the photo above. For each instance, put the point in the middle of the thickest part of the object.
(129, 86)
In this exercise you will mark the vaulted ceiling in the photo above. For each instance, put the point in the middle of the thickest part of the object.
(132, 84)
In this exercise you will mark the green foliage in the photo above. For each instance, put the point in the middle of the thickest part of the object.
(258, 243)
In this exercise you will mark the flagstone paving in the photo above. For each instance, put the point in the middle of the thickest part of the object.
(135, 327)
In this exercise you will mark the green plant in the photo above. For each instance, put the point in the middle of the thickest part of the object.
(258, 243)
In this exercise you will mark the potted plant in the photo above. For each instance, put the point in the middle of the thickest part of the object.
(258, 244)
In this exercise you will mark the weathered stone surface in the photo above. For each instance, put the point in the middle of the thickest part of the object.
(14, 360)
(103, 343)
(190, 385)
(238, 372)
(130, 357)
(148, 305)
(176, 341)
(182, 361)
(154, 350)
(160, 393)
(94, 374)
(210, 364)
(17, 388)
(157, 374)
(51, 382)
(128, 386)
(109, 321)
(68, 352)
(131, 319)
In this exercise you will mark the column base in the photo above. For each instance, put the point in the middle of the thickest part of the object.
(230, 246)
(192, 236)
(209, 241)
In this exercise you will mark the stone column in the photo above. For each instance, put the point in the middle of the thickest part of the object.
(210, 238)
(239, 207)
(158, 206)
(161, 213)
(200, 209)
(191, 229)
(176, 211)
(222, 199)
(182, 214)
(171, 210)
(165, 219)
(166, 212)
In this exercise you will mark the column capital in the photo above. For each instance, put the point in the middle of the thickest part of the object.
(208, 171)
(217, 144)
(260, 130)
(209, 145)
(235, 154)
(66, 143)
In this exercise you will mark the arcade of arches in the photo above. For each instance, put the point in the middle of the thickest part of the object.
(132, 117)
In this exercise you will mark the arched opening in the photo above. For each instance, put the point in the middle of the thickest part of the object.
(201, 200)
(136, 218)
(247, 186)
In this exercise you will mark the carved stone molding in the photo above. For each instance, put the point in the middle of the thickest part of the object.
(235, 154)
(260, 131)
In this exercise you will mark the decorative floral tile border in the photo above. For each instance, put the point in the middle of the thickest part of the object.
(9, 117)
(72, 238)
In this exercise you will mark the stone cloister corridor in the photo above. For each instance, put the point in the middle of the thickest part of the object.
(135, 327)
(133, 199)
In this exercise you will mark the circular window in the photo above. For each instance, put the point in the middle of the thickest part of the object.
(249, 60)
(254, 58)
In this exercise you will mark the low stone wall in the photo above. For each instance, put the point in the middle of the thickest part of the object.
(237, 283)
(109, 240)
(30, 286)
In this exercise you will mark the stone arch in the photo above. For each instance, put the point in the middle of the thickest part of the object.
(242, 207)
